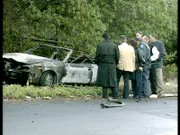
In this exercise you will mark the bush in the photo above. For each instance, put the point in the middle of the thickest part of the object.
(170, 72)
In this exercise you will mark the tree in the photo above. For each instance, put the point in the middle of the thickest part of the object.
(66, 22)
(79, 24)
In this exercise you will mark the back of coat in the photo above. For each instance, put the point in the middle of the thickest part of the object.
(107, 56)
(127, 58)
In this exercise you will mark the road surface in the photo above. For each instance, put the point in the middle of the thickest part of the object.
(86, 117)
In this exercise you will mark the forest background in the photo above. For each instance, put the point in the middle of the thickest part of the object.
(79, 24)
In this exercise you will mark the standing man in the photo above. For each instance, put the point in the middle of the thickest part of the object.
(107, 56)
(126, 64)
(154, 54)
(146, 69)
(159, 63)
(139, 63)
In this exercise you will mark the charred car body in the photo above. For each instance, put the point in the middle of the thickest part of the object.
(46, 65)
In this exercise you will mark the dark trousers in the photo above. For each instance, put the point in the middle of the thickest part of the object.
(126, 81)
(114, 92)
(152, 78)
(145, 81)
(137, 83)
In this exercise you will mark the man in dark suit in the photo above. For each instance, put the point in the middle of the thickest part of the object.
(107, 56)
(146, 68)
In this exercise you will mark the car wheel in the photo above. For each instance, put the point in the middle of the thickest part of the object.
(47, 79)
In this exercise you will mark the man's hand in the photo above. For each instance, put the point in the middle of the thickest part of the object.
(140, 68)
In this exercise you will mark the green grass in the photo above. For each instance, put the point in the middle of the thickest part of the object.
(64, 91)
(60, 91)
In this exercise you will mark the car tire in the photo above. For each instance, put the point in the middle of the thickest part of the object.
(47, 79)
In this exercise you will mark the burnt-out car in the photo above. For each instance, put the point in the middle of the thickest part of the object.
(45, 65)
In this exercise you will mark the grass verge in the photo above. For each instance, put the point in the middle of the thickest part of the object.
(60, 91)
(17, 92)
(69, 91)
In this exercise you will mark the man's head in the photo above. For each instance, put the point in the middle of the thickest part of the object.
(106, 36)
(145, 39)
(133, 43)
(153, 37)
(139, 35)
(123, 39)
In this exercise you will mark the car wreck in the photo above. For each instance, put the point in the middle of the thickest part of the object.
(45, 65)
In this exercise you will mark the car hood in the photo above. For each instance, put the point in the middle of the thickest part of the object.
(25, 58)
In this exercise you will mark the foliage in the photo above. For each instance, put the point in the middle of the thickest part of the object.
(150, 16)
(65, 21)
(170, 72)
(82, 22)
(171, 58)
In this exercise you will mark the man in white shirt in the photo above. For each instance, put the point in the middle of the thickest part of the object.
(159, 63)
(154, 56)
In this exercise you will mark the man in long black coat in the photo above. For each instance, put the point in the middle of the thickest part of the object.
(107, 57)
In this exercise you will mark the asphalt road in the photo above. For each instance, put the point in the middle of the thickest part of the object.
(80, 117)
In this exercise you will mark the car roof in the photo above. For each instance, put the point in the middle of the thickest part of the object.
(53, 46)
